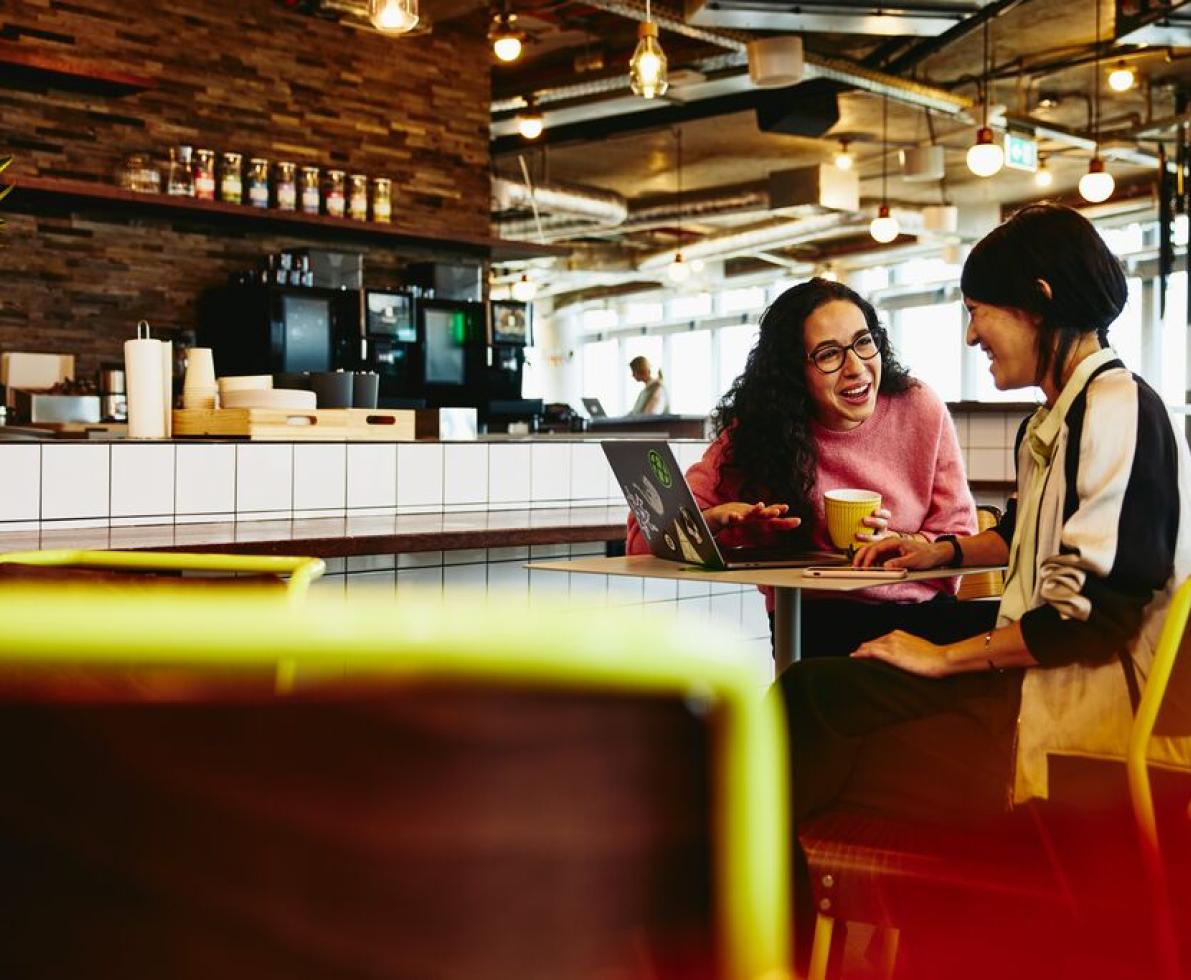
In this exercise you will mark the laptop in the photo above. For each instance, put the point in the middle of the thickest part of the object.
(657, 493)
(594, 408)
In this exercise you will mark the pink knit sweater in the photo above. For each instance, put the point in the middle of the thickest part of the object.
(907, 450)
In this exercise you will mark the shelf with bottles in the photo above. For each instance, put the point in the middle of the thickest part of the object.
(22, 63)
(38, 194)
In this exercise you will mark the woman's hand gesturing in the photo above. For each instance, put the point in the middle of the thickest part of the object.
(737, 512)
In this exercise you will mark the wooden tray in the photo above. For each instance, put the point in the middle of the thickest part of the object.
(315, 425)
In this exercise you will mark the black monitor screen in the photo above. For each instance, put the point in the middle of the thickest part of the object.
(392, 315)
(446, 333)
(307, 322)
(510, 323)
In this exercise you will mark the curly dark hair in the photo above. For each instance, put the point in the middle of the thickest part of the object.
(768, 410)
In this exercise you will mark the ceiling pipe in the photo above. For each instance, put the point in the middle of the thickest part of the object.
(603, 207)
(752, 239)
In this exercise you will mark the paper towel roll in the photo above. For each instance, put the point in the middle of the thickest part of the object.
(167, 386)
(142, 378)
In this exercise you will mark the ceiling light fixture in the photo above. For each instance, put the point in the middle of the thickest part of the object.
(524, 289)
(678, 271)
(506, 39)
(985, 156)
(1097, 184)
(393, 16)
(844, 159)
(884, 227)
(529, 119)
(1121, 78)
(647, 67)
(1043, 176)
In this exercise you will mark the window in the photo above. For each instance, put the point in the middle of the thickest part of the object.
(689, 378)
(1125, 333)
(742, 300)
(689, 307)
(930, 344)
(735, 344)
(1173, 383)
(602, 371)
(640, 314)
(600, 319)
(653, 350)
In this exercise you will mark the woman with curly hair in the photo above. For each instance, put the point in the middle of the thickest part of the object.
(823, 404)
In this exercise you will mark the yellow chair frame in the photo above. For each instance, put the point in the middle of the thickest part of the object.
(301, 571)
(420, 637)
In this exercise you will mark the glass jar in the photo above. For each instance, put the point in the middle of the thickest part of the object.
(357, 197)
(137, 173)
(231, 184)
(285, 186)
(258, 182)
(335, 193)
(204, 175)
(181, 179)
(311, 198)
(382, 206)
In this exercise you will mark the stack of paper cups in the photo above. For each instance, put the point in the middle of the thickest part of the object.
(143, 361)
(199, 390)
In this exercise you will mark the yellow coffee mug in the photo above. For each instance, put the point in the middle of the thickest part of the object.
(846, 511)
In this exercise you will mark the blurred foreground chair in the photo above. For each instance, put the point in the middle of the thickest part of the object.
(983, 585)
(160, 567)
(448, 790)
(1080, 885)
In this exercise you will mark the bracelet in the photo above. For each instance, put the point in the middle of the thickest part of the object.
(957, 553)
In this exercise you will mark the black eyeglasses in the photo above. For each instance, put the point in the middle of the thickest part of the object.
(831, 359)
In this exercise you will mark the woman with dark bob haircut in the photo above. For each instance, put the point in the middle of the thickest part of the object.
(1096, 540)
(823, 405)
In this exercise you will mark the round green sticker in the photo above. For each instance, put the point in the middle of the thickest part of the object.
(660, 469)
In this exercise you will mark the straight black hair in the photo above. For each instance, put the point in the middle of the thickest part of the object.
(1056, 244)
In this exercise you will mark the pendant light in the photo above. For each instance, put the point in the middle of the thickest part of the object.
(985, 156)
(844, 159)
(524, 289)
(647, 67)
(529, 119)
(1043, 176)
(1121, 78)
(393, 16)
(884, 227)
(678, 271)
(505, 38)
(1097, 184)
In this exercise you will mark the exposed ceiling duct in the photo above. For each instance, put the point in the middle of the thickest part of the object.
(752, 239)
(602, 207)
(906, 19)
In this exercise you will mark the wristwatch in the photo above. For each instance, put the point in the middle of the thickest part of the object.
(957, 553)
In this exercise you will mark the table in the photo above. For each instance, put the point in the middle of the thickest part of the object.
(787, 583)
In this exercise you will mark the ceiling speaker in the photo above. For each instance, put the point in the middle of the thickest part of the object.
(808, 109)
(775, 61)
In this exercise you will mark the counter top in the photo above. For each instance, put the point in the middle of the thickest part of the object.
(342, 537)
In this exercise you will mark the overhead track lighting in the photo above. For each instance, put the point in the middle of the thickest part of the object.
(393, 16)
(506, 39)
(884, 227)
(529, 120)
(1121, 78)
(647, 68)
(1097, 184)
(985, 156)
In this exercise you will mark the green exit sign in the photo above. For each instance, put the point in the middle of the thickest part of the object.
(1021, 152)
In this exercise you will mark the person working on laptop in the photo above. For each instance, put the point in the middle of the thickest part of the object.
(653, 399)
(823, 404)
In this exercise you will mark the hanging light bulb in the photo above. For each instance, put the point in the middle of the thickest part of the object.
(647, 67)
(884, 227)
(1044, 176)
(529, 120)
(1097, 184)
(524, 289)
(985, 157)
(844, 159)
(393, 16)
(505, 38)
(678, 271)
(1121, 78)
(831, 275)
(697, 265)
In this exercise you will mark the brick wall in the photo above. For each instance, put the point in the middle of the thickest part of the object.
(230, 74)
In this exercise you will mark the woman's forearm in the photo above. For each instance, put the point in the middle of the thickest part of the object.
(985, 548)
(994, 650)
